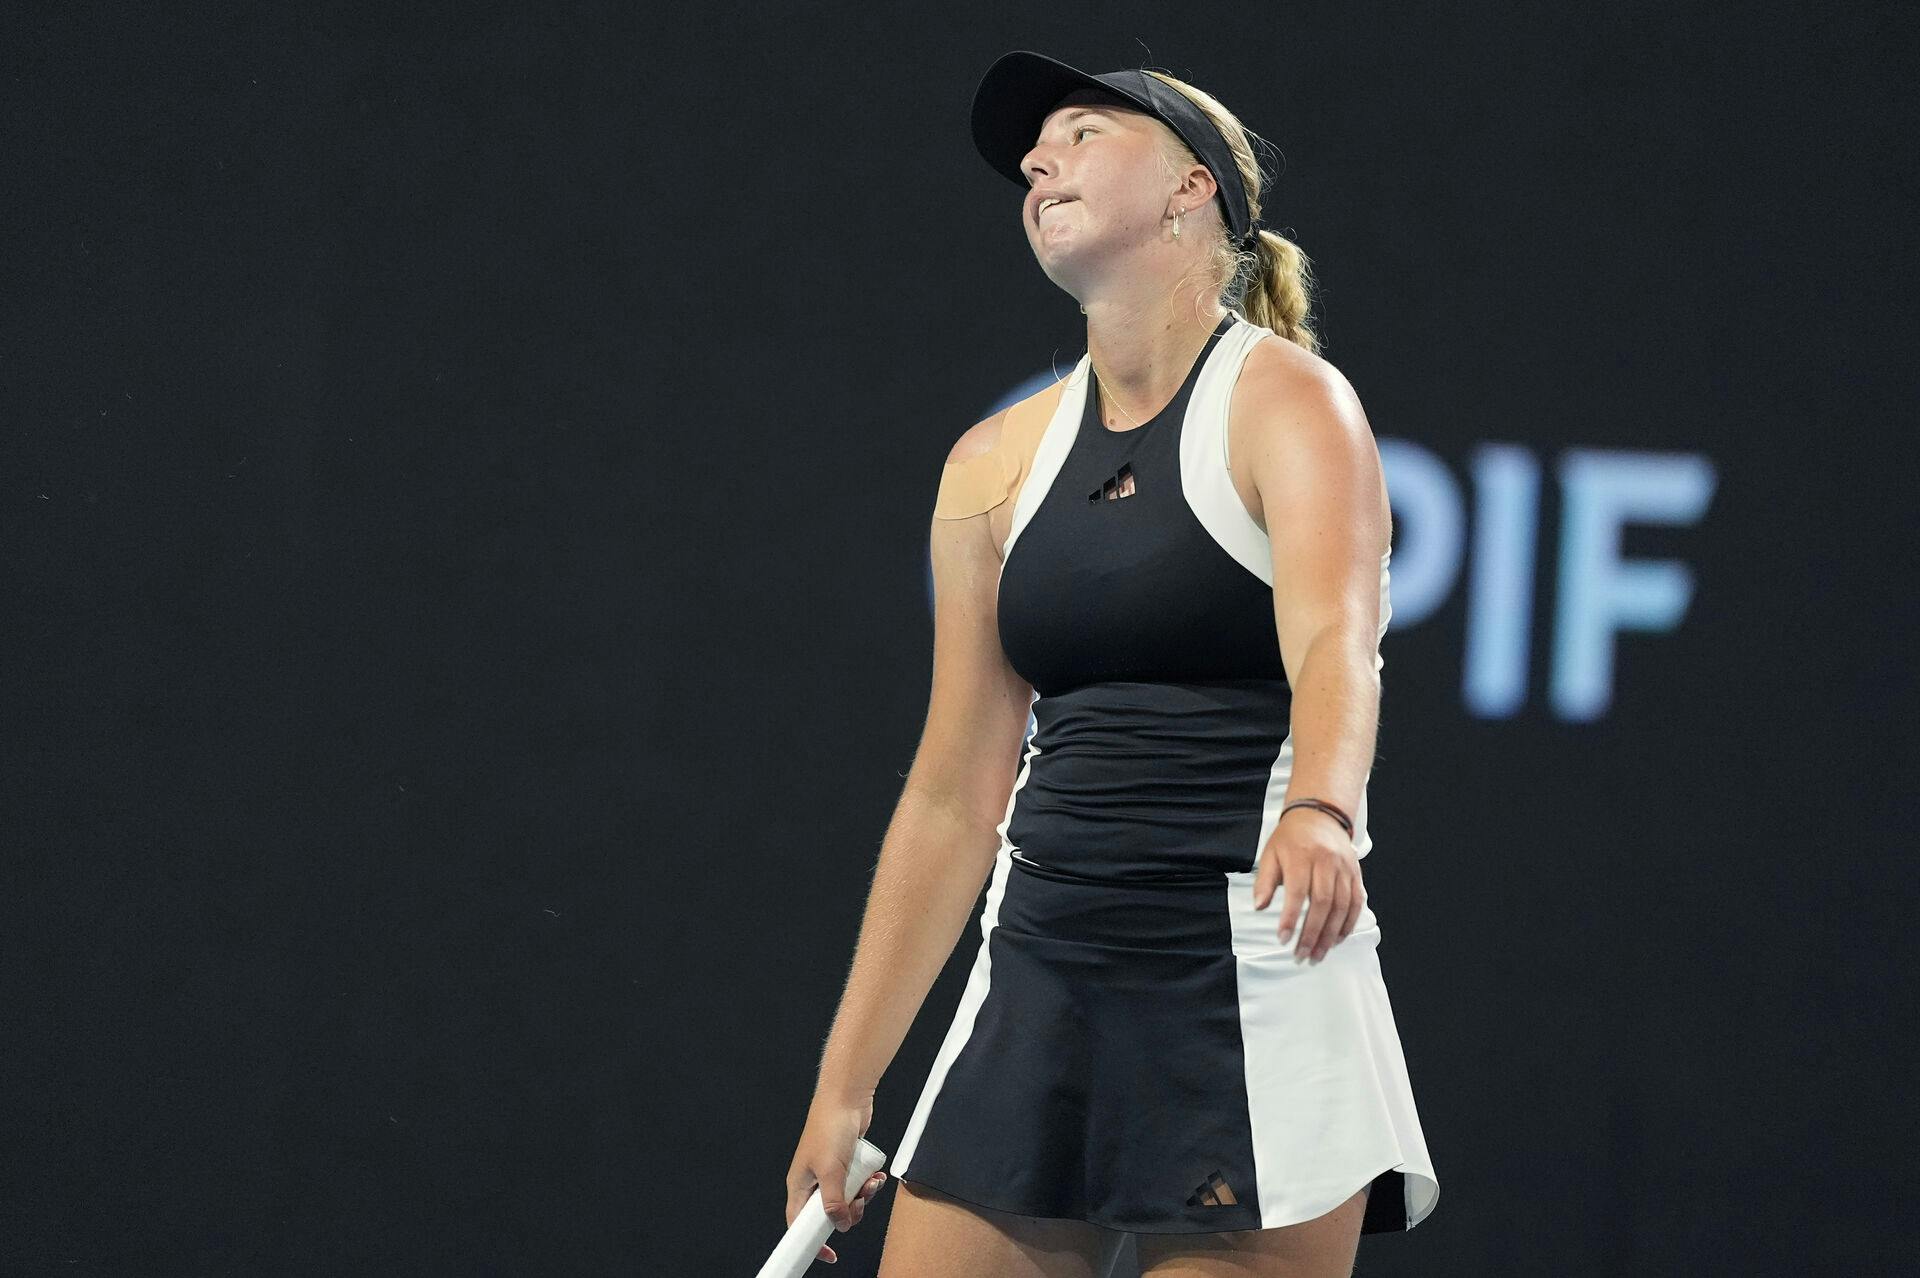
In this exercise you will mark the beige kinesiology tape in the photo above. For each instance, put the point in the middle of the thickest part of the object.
(971, 487)
(977, 484)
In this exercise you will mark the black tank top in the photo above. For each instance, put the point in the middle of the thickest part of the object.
(1163, 702)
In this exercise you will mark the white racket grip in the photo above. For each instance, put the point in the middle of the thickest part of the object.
(810, 1228)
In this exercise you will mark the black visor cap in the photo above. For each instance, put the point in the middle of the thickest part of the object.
(1022, 88)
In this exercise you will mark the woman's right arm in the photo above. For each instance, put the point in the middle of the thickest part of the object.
(942, 841)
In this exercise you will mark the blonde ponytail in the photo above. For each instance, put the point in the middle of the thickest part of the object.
(1271, 282)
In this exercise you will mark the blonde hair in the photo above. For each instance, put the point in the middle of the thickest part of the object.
(1271, 283)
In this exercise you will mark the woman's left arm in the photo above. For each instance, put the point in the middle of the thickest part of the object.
(1317, 469)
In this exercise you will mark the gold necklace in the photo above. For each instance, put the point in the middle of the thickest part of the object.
(1102, 385)
(1109, 399)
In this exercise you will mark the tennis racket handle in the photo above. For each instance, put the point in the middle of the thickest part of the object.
(810, 1228)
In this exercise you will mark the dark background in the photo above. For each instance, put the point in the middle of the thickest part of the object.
(464, 490)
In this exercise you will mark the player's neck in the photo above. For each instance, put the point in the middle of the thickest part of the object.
(1143, 349)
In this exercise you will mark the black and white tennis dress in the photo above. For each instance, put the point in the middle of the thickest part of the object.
(1135, 1047)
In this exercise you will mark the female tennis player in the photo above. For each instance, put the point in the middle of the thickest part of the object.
(1175, 558)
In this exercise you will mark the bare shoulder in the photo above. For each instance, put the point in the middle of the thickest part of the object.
(1279, 372)
(1289, 398)
(1298, 422)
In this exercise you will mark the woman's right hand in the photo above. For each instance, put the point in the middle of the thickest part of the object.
(824, 1154)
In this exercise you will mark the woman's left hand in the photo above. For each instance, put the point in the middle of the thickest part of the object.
(1311, 855)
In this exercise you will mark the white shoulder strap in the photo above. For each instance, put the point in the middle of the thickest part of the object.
(1052, 452)
(1203, 453)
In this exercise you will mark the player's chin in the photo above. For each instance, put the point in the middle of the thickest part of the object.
(1050, 244)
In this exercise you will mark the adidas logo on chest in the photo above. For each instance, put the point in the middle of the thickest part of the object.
(1119, 484)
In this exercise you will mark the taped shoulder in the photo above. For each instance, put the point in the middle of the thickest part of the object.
(980, 483)
(971, 487)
